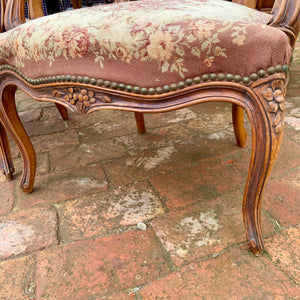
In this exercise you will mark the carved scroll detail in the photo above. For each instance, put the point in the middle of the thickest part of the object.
(275, 97)
(82, 99)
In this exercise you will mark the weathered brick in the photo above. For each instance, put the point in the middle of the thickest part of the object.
(122, 296)
(295, 137)
(144, 165)
(46, 127)
(26, 231)
(203, 229)
(234, 275)
(210, 123)
(293, 122)
(164, 136)
(173, 117)
(57, 187)
(211, 108)
(17, 279)
(85, 154)
(42, 164)
(113, 128)
(51, 142)
(100, 267)
(214, 145)
(288, 158)
(205, 181)
(96, 118)
(104, 213)
(31, 115)
(6, 196)
(24, 102)
(284, 249)
(281, 198)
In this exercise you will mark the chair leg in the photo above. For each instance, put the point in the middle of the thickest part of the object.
(63, 111)
(140, 122)
(238, 125)
(267, 132)
(6, 163)
(13, 125)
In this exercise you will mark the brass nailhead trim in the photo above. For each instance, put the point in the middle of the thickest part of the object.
(122, 86)
(221, 76)
(166, 88)
(159, 90)
(144, 91)
(253, 76)
(173, 86)
(229, 77)
(114, 85)
(189, 81)
(136, 89)
(107, 83)
(197, 79)
(100, 82)
(237, 78)
(150, 90)
(246, 80)
(213, 76)
(129, 88)
(180, 85)
(262, 73)
(271, 70)
(205, 77)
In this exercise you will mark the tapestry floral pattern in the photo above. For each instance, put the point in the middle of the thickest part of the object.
(115, 32)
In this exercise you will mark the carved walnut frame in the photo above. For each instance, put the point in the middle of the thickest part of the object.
(262, 98)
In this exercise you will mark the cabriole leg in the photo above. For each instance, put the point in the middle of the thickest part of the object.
(13, 125)
(266, 118)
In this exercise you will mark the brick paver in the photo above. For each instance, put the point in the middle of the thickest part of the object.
(207, 181)
(97, 268)
(102, 214)
(27, 231)
(281, 198)
(17, 279)
(204, 229)
(284, 249)
(234, 275)
(64, 186)
(7, 198)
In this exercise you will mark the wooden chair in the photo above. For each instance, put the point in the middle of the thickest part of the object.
(153, 56)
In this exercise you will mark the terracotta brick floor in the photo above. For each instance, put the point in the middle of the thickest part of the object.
(118, 215)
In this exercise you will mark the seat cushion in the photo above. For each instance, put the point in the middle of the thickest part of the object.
(146, 43)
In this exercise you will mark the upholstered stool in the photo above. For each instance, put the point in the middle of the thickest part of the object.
(154, 56)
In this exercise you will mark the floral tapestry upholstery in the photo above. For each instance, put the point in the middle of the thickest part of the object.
(146, 43)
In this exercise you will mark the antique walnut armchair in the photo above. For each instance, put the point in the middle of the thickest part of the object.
(153, 56)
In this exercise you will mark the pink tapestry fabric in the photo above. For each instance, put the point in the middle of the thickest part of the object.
(147, 43)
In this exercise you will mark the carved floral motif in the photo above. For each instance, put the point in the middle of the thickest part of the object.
(81, 98)
(275, 97)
